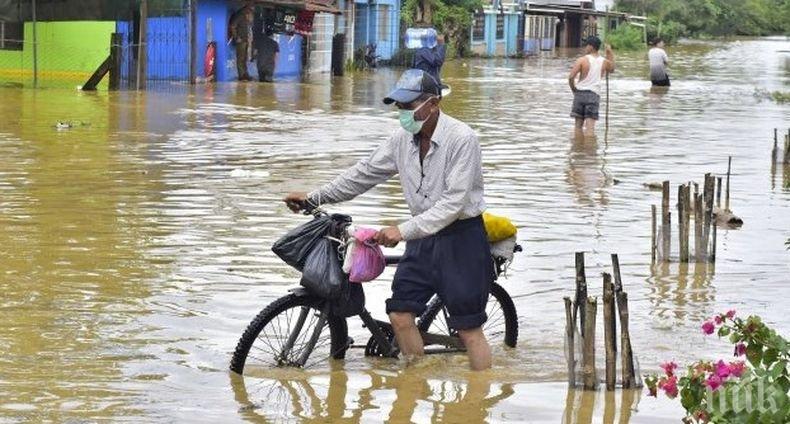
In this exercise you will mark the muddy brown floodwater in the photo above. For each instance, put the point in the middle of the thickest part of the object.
(134, 246)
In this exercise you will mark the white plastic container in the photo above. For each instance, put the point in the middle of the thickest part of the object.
(420, 37)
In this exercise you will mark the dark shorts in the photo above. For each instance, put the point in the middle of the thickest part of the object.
(661, 83)
(455, 264)
(585, 104)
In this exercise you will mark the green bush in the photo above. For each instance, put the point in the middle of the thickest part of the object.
(402, 57)
(626, 37)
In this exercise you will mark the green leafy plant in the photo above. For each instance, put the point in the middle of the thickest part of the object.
(626, 37)
(750, 391)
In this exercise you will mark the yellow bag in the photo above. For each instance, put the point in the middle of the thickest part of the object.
(498, 228)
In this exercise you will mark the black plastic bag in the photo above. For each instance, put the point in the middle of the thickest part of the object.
(323, 273)
(295, 246)
(350, 302)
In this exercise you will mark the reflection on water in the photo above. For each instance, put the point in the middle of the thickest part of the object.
(135, 248)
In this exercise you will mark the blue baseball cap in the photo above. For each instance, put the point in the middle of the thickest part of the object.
(412, 84)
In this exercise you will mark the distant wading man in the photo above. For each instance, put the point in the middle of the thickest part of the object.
(437, 159)
(240, 29)
(268, 51)
(590, 70)
(659, 61)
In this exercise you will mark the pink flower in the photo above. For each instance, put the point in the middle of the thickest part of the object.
(722, 370)
(740, 349)
(708, 327)
(730, 314)
(737, 368)
(670, 387)
(669, 368)
(718, 319)
(714, 382)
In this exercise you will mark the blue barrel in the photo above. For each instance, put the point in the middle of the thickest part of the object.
(289, 64)
(420, 37)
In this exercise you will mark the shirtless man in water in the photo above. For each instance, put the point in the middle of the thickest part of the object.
(590, 70)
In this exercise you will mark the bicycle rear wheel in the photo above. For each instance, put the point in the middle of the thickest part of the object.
(286, 333)
(501, 327)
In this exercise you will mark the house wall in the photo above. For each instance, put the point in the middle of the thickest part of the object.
(67, 53)
(491, 45)
(379, 23)
(212, 25)
(321, 43)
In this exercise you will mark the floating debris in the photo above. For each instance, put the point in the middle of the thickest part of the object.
(654, 186)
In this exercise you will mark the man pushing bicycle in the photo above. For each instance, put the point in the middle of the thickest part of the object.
(447, 253)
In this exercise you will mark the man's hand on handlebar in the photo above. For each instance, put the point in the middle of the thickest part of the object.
(296, 201)
(389, 237)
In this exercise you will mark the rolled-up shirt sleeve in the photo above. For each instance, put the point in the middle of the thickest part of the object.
(368, 172)
(465, 165)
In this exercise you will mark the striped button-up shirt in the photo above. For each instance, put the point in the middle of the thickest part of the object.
(447, 185)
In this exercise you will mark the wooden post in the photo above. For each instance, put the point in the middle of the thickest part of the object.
(653, 237)
(687, 218)
(35, 43)
(581, 292)
(116, 41)
(713, 246)
(682, 216)
(193, 41)
(718, 192)
(142, 46)
(570, 327)
(609, 331)
(706, 231)
(698, 227)
(666, 222)
(618, 281)
(786, 159)
(727, 190)
(775, 151)
(626, 355)
(589, 376)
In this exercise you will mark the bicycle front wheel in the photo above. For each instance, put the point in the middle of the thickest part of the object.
(501, 327)
(291, 332)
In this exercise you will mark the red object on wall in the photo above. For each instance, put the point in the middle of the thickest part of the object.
(304, 22)
(210, 63)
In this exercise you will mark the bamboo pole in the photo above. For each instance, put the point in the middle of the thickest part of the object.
(609, 331)
(682, 216)
(727, 190)
(570, 327)
(666, 222)
(626, 355)
(589, 375)
(775, 151)
(653, 235)
(581, 292)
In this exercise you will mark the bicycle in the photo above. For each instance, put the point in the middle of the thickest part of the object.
(299, 327)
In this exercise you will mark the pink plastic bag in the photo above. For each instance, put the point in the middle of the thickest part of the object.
(367, 260)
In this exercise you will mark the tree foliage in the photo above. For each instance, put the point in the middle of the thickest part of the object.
(453, 18)
(681, 18)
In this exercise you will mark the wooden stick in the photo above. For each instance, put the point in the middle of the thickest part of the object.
(626, 355)
(570, 329)
(666, 222)
(618, 281)
(581, 292)
(713, 247)
(718, 192)
(682, 215)
(775, 151)
(687, 218)
(706, 231)
(609, 331)
(727, 190)
(697, 227)
(589, 375)
(653, 236)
